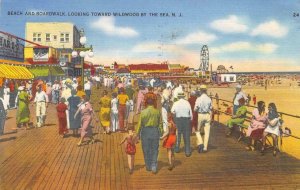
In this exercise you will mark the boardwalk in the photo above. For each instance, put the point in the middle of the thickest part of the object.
(40, 159)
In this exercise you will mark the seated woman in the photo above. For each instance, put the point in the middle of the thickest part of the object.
(257, 126)
(272, 128)
(239, 117)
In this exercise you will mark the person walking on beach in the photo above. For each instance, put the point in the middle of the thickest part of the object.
(41, 101)
(203, 107)
(149, 129)
(105, 103)
(114, 113)
(238, 95)
(87, 114)
(183, 116)
(192, 100)
(73, 102)
(140, 99)
(23, 112)
(169, 137)
(61, 109)
(123, 98)
(130, 140)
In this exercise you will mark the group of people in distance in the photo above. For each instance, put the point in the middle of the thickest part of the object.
(263, 123)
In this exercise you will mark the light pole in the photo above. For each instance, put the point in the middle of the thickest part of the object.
(83, 51)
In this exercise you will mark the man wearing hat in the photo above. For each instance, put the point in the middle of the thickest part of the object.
(41, 101)
(182, 115)
(238, 95)
(203, 106)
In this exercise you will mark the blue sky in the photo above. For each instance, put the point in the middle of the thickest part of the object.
(252, 35)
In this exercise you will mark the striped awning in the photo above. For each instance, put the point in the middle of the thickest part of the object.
(14, 72)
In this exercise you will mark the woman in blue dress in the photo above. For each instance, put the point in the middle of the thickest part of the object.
(74, 101)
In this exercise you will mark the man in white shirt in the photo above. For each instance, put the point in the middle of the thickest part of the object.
(238, 95)
(87, 88)
(2, 116)
(203, 106)
(97, 79)
(56, 88)
(41, 101)
(183, 115)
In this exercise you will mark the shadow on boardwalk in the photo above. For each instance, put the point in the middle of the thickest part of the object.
(40, 159)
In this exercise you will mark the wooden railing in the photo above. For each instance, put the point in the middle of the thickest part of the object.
(218, 111)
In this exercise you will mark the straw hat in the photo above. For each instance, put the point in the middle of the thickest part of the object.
(203, 86)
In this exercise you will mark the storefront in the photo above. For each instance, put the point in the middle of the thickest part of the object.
(49, 73)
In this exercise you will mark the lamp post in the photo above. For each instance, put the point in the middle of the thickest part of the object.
(83, 51)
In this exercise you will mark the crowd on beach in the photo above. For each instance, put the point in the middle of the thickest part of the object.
(164, 111)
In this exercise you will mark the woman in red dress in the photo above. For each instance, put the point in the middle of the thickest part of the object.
(170, 139)
(62, 117)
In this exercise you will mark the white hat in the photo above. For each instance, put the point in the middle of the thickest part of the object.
(238, 86)
(21, 88)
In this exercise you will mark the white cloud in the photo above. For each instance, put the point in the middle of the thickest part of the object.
(199, 37)
(242, 46)
(107, 25)
(271, 28)
(232, 24)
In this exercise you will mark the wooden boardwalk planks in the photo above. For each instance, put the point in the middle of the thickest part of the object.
(40, 159)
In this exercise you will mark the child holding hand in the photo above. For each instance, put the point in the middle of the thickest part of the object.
(130, 148)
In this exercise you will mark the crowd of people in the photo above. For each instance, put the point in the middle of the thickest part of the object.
(164, 111)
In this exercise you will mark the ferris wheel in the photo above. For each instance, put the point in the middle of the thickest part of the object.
(204, 59)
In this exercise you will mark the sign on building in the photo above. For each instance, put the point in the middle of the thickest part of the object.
(40, 54)
(11, 48)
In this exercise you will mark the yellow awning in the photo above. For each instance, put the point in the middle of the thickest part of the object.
(15, 72)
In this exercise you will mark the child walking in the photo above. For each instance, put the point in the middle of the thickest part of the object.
(130, 148)
(170, 139)
(62, 117)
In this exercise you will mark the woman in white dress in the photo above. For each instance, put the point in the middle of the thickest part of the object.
(273, 128)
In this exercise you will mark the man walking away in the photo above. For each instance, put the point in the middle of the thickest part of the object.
(149, 129)
(203, 106)
(183, 115)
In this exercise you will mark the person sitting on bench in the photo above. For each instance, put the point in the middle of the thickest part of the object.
(257, 126)
(238, 117)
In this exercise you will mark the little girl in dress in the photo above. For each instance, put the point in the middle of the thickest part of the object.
(169, 137)
(130, 148)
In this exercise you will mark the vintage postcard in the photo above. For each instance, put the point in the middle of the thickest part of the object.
(161, 94)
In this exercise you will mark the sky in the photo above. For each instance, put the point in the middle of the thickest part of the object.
(249, 35)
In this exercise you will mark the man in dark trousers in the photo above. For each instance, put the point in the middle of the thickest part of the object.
(183, 115)
(149, 130)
